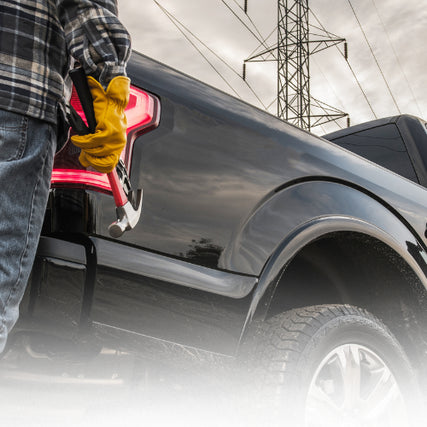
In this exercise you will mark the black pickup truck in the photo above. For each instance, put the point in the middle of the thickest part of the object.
(257, 242)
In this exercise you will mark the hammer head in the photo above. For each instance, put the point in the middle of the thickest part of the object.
(127, 215)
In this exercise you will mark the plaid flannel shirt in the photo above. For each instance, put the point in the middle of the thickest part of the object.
(37, 38)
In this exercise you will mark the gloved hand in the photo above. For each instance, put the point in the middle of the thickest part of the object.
(102, 149)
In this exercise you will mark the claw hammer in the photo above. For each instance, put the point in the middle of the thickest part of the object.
(128, 203)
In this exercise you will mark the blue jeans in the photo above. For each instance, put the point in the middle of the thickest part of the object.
(27, 147)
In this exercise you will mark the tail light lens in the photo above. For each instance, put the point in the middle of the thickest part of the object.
(142, 114)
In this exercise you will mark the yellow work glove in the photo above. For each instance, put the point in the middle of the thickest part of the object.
(102, 149)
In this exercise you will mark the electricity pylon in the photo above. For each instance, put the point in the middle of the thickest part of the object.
(292, 54)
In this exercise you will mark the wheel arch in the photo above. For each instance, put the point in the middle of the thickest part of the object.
(287, 211)
(336, 222)
(320, 263)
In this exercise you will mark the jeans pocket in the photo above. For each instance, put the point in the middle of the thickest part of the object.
(13, 136)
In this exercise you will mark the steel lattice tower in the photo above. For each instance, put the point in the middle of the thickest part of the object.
(292, 54)
(293, 63)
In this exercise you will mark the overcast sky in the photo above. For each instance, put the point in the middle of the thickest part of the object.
(397, 35)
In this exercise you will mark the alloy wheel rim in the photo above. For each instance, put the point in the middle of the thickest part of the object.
(353, 386)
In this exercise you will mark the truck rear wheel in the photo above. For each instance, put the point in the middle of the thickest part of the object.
(333, 365)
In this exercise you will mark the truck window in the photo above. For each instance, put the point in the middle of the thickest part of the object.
(382, 145)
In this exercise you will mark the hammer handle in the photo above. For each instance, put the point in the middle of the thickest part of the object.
(78, 76)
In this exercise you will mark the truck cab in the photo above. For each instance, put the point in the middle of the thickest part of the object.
(398, 143)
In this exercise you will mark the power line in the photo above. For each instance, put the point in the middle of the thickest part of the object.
(323, 31)
(241, 20)
(271, 51)
(397, 58)
(352, 71)
(329, 113)
(360, 87)
(291, 53)
(263, 42)
(271, 103)
(374, 56)
(250, 20)
(240, 7)
(175, 21)
(259, 38)
(332, 89)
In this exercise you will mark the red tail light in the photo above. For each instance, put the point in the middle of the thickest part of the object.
(142, 115)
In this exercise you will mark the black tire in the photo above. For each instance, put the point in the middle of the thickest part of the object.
(299, 360)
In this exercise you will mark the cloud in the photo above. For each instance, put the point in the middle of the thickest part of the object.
(215, 25)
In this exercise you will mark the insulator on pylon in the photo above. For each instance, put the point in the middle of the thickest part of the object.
(346, 51)
(246, 6)
(244, 71)
(348, 121)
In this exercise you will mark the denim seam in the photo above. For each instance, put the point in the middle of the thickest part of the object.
(24, 131)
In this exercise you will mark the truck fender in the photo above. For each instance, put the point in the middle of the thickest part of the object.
(296, 216)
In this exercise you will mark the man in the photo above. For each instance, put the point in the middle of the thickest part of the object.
(37, 38)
